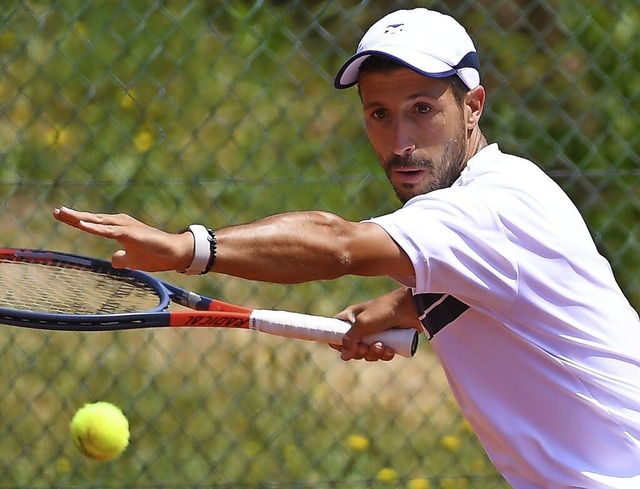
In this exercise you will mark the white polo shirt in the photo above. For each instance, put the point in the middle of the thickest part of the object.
(540, 346)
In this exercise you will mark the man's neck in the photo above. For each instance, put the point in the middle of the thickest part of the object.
(477, 142)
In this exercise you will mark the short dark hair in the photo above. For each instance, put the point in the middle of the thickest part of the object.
(383, 64)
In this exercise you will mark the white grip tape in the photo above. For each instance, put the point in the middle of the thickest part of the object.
(328, 330)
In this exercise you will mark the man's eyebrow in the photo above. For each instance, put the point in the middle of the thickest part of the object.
(414, 96)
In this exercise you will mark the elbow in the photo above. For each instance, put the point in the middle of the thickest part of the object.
(323, 248)
(340, 252)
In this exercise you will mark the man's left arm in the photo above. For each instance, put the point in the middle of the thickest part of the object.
(395, 309)
(285, 248)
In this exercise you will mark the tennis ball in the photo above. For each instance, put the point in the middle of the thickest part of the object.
(100, 430)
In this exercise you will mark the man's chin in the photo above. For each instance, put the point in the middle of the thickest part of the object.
(407, 192)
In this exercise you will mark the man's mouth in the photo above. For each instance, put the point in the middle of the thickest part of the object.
(408, 175)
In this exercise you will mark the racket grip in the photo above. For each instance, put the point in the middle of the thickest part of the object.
(328, 330)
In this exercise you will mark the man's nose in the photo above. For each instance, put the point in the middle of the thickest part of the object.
(402, 144)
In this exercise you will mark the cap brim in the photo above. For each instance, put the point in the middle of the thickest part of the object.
(421, 63)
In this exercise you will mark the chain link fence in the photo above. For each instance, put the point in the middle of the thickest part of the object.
(223, 112)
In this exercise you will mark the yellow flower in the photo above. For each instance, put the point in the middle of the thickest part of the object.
(418, 484)
(57, 137)
(387, 475)
(451, 443)
(358, 443)
(127, 100)
(455, 483)
(143, 141)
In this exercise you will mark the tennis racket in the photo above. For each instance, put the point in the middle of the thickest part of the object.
(66, 292)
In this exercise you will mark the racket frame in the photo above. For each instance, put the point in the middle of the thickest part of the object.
(201, 311)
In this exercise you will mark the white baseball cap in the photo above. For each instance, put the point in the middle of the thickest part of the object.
(428, 42)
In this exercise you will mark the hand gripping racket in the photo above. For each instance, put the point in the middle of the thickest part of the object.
(61, 291)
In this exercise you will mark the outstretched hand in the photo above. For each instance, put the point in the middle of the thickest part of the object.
(143, 247)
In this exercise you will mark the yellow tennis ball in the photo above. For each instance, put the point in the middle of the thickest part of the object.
(100, 430)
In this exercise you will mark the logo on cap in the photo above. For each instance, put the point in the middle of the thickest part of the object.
(393, 28)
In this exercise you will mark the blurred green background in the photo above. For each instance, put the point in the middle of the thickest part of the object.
(223, 112)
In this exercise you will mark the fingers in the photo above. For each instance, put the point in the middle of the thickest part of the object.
(67, 216)
(71, 216)
(366, 319)
(378, 351)
(99, 224)
(354, 349)
(120, 227)
(348, 315)
(120, 260)
(142, 247)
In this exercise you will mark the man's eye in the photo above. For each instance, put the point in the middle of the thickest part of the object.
(379, 114)
(423, 108)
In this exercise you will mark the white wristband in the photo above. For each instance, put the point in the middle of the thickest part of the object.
(201, 250)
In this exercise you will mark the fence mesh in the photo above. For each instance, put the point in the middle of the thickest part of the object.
(223, 112)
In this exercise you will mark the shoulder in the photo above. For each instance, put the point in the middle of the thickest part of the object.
(508, 183)
(492, 166)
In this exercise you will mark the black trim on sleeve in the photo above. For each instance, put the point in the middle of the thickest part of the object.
(437, 311)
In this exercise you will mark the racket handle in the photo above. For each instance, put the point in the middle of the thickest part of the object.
(328, 330)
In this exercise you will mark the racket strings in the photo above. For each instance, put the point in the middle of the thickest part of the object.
(69, 288)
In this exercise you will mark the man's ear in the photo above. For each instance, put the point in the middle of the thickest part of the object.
(473, 106)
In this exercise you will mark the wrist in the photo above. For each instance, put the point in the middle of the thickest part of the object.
(204, 250)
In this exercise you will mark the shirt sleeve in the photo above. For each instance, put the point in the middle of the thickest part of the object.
(457, 245)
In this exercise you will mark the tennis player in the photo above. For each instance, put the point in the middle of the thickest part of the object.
(496, 265)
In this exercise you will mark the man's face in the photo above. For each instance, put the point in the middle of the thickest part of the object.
(416, 128)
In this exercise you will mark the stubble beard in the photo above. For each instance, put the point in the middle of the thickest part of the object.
(442, 173)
